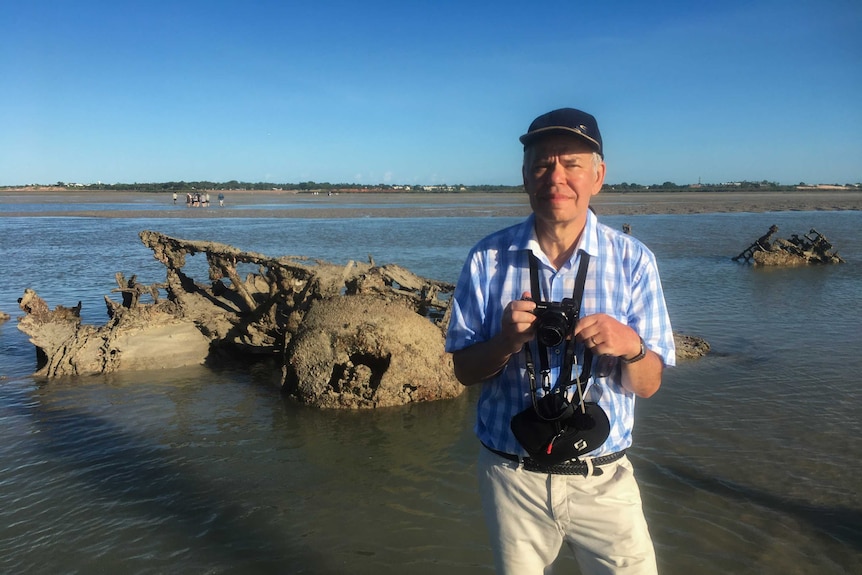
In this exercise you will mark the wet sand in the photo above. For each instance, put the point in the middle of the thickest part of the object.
(265, 203)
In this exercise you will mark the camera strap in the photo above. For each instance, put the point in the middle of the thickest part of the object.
(569, 360)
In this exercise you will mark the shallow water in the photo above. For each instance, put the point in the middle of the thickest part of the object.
(748, 459)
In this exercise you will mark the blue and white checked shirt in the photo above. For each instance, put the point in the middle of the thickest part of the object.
(622, 281)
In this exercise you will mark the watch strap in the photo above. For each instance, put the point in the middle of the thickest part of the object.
(639, 356)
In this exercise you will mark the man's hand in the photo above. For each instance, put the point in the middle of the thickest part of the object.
(484, 360)
(607, 336)
(517, 324)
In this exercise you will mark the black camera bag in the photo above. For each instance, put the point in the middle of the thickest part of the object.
(553, 441)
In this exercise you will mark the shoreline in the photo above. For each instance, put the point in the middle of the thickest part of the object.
(282, 204)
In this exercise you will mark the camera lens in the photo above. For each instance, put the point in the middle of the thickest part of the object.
(552, 329)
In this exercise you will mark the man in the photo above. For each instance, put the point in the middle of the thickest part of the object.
(592, 502)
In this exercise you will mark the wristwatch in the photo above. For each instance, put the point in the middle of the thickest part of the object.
(639, 356)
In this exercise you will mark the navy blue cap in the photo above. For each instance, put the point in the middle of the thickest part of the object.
(565, 121)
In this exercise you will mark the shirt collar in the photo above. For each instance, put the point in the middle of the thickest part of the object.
(589, 241)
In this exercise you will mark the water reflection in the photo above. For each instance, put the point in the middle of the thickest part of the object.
(748, 459)
(231, 474)
(123, 490)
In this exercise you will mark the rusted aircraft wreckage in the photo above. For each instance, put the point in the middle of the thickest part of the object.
(811, 248)
(353, 336)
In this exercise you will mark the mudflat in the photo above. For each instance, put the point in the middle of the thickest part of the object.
(274, 203)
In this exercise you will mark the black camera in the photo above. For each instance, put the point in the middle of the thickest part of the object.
(555, 321)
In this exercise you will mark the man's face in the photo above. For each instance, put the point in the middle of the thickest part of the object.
(560, 178)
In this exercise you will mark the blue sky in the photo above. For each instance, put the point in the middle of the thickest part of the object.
(403, 92)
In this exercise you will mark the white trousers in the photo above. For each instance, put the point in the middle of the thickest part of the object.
(529, 515)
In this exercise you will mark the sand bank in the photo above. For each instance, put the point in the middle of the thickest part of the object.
(266, 203)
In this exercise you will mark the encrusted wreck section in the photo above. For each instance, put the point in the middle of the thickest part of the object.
(811, 248)
(358, 335)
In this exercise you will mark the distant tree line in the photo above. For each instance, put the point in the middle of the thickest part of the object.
(310, 186)
(671, 186)
(762, 186)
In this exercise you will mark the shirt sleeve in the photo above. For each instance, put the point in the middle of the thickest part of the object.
(466, 322)
(648, 314)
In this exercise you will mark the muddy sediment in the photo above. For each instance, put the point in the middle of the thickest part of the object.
(242, 204)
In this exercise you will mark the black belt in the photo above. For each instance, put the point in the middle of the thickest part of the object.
(574, 467)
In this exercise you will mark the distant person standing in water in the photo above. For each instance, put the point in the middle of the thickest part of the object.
(562, 322)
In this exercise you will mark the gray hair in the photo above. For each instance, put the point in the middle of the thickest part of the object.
(597, 159)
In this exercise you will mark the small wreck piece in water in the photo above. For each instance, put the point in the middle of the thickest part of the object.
(811, 248)
(374, 335)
